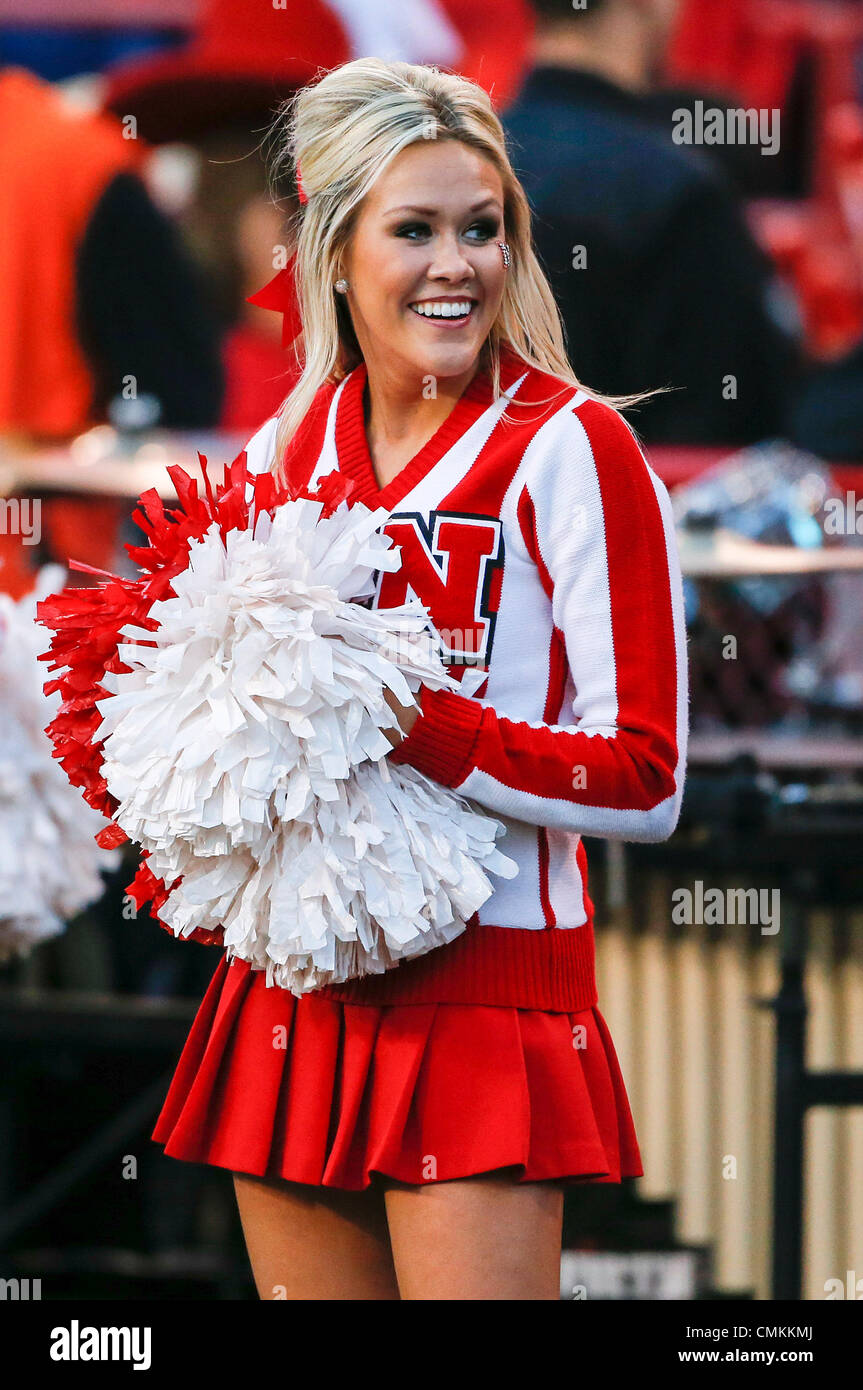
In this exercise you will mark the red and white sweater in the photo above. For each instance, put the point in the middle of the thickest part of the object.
(543, 545)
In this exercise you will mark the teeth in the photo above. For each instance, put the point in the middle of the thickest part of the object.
(453, 309)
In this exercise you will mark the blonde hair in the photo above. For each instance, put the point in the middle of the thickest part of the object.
(343, 131)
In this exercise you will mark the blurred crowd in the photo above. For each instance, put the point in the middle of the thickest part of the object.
(139, 214)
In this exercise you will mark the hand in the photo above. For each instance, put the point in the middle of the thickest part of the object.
(407, 716)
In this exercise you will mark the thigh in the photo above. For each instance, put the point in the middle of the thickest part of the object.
(315, 1242)
(483, 1237)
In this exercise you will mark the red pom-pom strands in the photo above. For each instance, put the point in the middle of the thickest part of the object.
(208, 710)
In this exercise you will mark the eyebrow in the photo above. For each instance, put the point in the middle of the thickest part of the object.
(431, 212)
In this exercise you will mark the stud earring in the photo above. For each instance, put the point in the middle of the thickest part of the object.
(505, 252)
(342, 286)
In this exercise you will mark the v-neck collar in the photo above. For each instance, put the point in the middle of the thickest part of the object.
(352, 444)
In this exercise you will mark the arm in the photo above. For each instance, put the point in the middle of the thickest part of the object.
(597, 523)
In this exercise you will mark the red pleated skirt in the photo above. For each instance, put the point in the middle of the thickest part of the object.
(320, 1092)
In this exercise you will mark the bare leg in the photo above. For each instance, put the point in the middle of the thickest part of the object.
(483, 1237)
(315, 1242)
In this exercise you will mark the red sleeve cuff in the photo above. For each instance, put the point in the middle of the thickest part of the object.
(442, 741)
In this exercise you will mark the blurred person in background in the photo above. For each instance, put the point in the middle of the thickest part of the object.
(658, 277)
(215, 95)
(101, 311)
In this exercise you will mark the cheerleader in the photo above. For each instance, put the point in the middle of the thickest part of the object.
(409, 1135)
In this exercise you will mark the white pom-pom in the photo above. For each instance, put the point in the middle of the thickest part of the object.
(390, 868)
(49, 862)
(240, 699)
(245, 750)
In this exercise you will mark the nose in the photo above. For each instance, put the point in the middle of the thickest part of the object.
(449, 261)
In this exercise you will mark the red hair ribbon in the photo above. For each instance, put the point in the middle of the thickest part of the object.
(280, 295)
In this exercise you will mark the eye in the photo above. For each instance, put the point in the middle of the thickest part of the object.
(484, 229)
(487, 227)
(406, 229)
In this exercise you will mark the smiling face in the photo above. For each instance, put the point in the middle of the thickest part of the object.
(425, 270)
